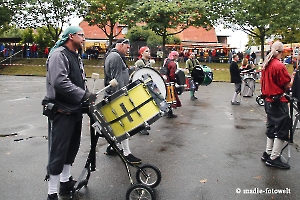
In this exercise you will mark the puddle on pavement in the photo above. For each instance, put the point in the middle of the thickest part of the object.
(22, 139)
(7, 135)
(240, 127)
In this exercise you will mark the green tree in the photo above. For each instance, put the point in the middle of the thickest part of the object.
(154, 40)
(7, 9)
(290, 34)
(43, 39)
(51, 16)
(137, 33)
(168, 18)
(107, 15)
(253, 41)
(28, 36)
(265, 16)
(11, 32)
(5, 15)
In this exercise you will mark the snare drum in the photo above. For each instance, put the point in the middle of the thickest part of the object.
(202, 75)
(128, 111)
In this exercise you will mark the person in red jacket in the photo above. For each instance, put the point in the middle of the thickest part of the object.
(275, 81)
(170, 76)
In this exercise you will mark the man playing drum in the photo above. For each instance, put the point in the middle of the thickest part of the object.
(66, 94)
(143, 61)
(115, 68)
(170, 76)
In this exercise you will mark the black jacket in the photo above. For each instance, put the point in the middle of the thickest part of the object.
(235, 76)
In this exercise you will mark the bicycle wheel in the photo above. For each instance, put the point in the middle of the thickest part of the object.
(148, 175)
(140, 192)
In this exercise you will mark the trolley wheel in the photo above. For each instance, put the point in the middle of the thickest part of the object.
(139, 191)
(260, 101)
(148, 175)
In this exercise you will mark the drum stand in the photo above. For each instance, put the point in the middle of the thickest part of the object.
(293, 127)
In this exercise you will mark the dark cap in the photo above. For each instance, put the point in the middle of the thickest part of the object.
(123, 41)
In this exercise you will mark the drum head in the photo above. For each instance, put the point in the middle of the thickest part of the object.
(198, 75)
(180, 79)
(155, 75)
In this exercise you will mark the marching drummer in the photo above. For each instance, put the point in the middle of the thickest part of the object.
(144, 58)
(190, 64)
(115, 68)
(144, 61)
(170, 76)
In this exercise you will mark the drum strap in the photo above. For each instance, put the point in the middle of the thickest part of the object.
(127, 114)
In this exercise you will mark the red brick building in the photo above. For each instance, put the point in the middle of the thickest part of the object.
(191, 38)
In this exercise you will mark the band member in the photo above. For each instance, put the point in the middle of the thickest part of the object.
(275, 81)
(170, 76)
(144, 61)
(190, 64)
(144, 58)
(235, 78)
(115, 68)
(66, 93)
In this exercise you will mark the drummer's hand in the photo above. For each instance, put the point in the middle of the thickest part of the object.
(165, 77)
(90, 97)
(187, 71)
(152, 61)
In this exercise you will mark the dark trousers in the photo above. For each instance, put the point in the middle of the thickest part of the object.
(64, 140)
(278, 120)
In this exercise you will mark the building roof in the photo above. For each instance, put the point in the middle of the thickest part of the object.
(94, 32)
(199, 35)
(191, 34)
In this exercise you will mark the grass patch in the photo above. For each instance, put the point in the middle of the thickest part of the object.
(36, 67)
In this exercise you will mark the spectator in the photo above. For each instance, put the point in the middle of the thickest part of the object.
(253, 56)
(33, 50)
(46, 52)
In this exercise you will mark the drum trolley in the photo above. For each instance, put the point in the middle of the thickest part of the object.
(148, 176)
(294, 121)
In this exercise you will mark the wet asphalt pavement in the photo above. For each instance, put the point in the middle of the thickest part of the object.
(210, 151)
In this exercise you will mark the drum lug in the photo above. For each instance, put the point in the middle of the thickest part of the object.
(128, 135)
(125, 91)
(147, 126)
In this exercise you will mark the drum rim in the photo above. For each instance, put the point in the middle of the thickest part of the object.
(151, 68)
(121, 92)
(206, 70)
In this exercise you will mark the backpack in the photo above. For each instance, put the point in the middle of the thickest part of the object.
(164, 69)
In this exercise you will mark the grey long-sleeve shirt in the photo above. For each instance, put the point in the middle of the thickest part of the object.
(116, 68)
(65, 79)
